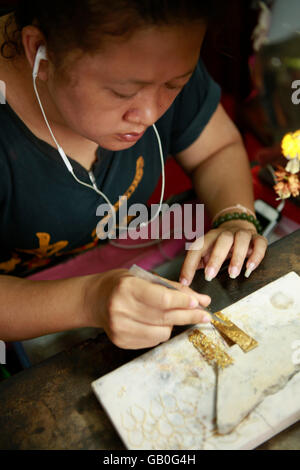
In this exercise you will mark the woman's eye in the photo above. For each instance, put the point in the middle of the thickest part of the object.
(176, 87)
(119, 95)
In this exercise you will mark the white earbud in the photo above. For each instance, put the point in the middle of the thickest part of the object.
(40, 55)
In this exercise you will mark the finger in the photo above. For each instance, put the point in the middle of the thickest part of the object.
(219, 253)
(160, 298)
(134, 335)
(260, 245)
(193, 257)
(157, 317)
(201, 265)
(174, 317)
(189, 317)
(242, 240)
(206, 258)
(203, 299)
(249, 252)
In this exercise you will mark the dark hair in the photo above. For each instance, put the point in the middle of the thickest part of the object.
(85, 24)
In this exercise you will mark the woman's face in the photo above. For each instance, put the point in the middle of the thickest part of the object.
(113, 96)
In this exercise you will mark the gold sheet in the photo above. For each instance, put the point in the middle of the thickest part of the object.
(211, 351)
(234, 333)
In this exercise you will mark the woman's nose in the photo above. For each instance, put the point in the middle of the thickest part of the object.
(145, 112)
(144, 115)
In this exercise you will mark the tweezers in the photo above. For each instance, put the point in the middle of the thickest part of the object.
(147, 276)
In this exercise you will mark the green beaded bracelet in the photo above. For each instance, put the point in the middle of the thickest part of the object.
(238, 215)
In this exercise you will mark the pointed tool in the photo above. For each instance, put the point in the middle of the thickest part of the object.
(147, 276)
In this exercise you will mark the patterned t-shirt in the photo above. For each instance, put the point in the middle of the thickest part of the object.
(46, 216)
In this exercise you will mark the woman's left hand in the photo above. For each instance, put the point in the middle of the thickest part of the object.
(235, 239)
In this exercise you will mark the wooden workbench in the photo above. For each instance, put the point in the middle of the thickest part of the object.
(52, 406)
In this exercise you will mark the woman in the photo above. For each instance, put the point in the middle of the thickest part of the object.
(109, 71)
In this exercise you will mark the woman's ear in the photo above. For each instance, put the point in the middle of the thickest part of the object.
(32, 39)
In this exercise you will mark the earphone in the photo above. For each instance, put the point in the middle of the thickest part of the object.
(42, 55)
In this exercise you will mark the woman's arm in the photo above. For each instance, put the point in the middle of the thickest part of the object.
(218, 164)
(34, 308)
(219, 167)
(134, 313)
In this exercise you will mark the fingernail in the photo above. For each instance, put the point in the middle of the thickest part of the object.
(210, 273)
(249, 269)
(206, 319)
(194, 303)
(233, 272)
(184, 282)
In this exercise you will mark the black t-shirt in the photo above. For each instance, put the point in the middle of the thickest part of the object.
(46, 216)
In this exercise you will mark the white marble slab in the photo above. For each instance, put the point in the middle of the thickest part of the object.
(257, 374)
(166, 398)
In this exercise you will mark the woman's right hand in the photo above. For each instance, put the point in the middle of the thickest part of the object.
(137, 314)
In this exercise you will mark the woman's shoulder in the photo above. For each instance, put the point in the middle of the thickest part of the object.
(193, 108)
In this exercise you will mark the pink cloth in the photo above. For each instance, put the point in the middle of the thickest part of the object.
(108, 256)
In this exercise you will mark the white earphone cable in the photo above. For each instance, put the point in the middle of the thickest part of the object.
(66, 160)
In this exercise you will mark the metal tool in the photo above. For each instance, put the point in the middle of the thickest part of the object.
(147, 276)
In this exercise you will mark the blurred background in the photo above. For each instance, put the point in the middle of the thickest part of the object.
(255, 57)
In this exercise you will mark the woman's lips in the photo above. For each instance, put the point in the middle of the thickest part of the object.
(130, 137)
